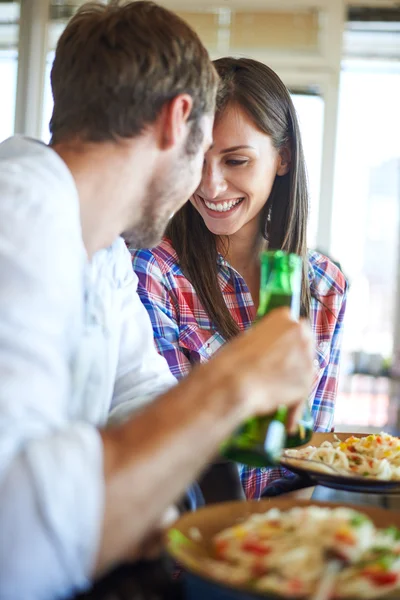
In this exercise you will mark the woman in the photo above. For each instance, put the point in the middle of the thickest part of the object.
(201, 284)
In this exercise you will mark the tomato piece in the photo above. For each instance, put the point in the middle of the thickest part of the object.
(382, 578)
(255, 548)
(351, 449)
(295, 585)
(220, 547)
(344, 538)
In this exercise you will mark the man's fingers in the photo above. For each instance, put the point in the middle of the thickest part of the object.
(294, 416)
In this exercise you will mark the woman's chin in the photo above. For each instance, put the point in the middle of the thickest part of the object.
(221, 229)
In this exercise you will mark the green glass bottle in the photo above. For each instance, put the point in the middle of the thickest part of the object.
(260, 440)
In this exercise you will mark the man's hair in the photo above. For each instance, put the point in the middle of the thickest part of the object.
(117, 65)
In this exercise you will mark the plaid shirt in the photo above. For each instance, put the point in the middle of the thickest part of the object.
(184, 334)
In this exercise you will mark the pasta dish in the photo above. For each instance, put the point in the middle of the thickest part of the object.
(376, 456)
(287, 552)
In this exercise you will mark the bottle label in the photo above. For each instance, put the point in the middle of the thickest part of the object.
(275, 438)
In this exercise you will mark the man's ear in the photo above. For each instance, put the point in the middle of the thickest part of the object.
(284, 161)
(173, 120)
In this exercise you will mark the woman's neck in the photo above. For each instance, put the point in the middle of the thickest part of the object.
(242, 251)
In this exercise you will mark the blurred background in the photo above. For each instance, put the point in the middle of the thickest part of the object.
(341, 61)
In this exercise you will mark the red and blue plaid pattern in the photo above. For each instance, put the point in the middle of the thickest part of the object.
(184, 334)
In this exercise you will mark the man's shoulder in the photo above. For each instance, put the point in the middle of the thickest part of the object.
(39, 213)
(32, 158)
(35, 182)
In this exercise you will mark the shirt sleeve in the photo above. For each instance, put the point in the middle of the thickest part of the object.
(323, 402)
(51, 469)
(157, 297)
(142, 374)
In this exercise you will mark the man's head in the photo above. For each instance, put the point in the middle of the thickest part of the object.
(120, 69)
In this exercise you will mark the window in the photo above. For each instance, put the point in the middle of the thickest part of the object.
(310, 111)
(47, 99)
(8, 78)
(59, 14)
(365, 231)
(9, 15)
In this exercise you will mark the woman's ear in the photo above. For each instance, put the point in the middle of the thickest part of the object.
(284, 161)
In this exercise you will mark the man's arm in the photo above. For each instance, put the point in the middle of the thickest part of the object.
(150, 460)
(51, 468)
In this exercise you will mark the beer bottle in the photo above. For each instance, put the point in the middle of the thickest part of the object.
(260, 440)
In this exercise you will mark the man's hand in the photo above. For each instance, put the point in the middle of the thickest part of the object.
(271, 364)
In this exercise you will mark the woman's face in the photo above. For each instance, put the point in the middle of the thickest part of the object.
(238, 174)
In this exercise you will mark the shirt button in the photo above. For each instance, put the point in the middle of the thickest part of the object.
(208, 350)
(316, 362)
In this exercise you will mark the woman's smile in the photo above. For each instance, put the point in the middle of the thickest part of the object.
(221, 208)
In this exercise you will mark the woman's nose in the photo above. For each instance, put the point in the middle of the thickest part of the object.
(213, 182)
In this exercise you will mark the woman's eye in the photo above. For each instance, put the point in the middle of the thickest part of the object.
(234, 162)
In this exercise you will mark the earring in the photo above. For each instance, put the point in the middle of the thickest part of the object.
(269, 218)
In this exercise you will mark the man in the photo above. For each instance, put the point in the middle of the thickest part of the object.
(134, 95)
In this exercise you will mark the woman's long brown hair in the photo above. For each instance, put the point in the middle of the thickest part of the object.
(258, 90)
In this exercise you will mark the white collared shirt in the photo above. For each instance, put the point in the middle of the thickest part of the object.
(76, 345)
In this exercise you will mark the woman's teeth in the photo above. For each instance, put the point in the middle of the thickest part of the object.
(222, 206)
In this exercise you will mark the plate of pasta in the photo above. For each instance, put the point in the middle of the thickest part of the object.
(354, 462)
(281, 549)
